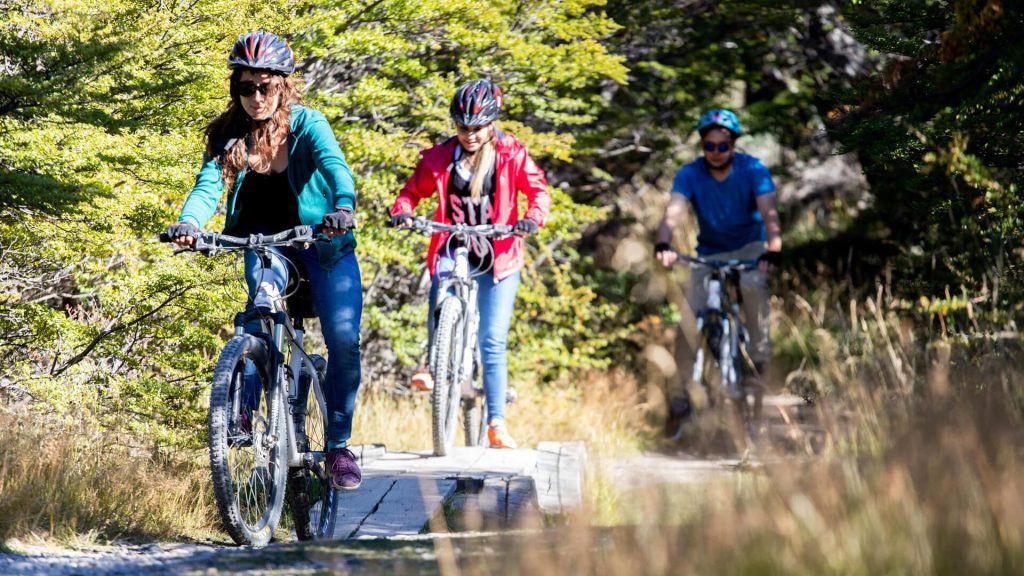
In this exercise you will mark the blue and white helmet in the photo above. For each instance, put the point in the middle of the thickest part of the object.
(722, 118)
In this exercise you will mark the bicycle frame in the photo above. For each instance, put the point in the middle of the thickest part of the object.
(286, 335)
(289, 335)
(456, 314)
(460, 285)
(721, 311)
(283, 368)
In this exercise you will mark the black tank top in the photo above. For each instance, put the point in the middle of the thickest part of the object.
(464, 211)
(266, 204)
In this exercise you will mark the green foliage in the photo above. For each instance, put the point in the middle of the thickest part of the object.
(385, 71)
(102, 107)
(938, 132)
(101, 110)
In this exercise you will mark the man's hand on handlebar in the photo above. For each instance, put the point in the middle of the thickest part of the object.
(769, 261)
(183, 233)
(338, 223)
(665, 254)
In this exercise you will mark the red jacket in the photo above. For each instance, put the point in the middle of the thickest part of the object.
(515, 171)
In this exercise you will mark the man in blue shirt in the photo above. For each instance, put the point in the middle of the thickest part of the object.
(733, 199)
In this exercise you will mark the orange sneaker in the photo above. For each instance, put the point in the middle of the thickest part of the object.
(498, 436)
(422, 380)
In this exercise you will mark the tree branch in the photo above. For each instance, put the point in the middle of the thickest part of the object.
(114, 329)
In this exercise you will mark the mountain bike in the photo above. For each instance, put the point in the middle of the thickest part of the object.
(267, 431)
(454, 352)
(725, 337)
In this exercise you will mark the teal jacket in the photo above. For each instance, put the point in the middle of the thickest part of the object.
(317, 172)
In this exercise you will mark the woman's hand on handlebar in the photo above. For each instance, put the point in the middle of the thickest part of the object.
(402, 220)
(338, 223)
(525, 227)
(183, 233)
(665, 254)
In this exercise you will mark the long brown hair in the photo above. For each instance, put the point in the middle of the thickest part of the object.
(238, 141)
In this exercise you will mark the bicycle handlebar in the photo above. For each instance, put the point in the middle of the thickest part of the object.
(211, 242)
(484, 230)
(734, 264)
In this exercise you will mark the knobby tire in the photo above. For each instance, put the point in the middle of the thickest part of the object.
(447, 359)
(474, 421)
(248, 466)
(310, 496)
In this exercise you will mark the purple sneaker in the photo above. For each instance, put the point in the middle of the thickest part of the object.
(344, 469)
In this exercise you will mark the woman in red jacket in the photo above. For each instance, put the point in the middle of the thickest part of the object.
(477, 176)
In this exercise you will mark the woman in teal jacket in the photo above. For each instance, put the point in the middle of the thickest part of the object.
(281, 166)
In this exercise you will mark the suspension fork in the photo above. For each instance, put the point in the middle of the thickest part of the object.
(295, 401)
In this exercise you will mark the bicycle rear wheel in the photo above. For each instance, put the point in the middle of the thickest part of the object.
(310, 497)
(474, 421)
(246, 442)
(446, 362)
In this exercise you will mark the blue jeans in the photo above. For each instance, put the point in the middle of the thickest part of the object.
(495, 301)
(337, 295)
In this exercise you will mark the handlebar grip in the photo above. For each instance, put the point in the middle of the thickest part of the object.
(165, 237)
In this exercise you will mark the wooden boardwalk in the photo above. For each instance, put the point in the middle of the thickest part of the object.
(406, 493)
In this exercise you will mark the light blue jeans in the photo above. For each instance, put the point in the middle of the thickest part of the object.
(495, 301)
(337, 294)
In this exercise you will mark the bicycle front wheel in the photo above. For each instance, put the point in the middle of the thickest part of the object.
(447, 360)
(246, 442)
(310, 497)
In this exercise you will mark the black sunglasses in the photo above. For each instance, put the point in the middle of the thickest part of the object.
(250, 88)
(720, 146)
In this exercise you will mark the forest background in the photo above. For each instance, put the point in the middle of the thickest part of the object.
(892, 128)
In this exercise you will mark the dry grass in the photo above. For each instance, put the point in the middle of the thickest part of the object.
(601, 410)
(918, 473)
(61, 482)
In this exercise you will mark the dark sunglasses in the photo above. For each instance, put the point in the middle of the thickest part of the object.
(250, 88)
(720, 146)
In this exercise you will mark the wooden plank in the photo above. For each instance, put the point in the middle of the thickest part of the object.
(353, 507)
(521, 510)
(406, 508)
(572, 463)
(402, 492)
(504, 463)
(424, 462)
(559, 476)
(545, 477)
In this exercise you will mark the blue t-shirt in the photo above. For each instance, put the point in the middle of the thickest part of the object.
(726, 211)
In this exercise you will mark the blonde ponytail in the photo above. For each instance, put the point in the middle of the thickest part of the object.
(482, 165)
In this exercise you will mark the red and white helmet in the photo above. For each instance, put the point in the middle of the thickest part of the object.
(476, 103)
(262, 51)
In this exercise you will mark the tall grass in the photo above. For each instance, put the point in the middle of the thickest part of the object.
(59, 481)
(601, 409)
(943, 497)
(918, 471)
(919, 474)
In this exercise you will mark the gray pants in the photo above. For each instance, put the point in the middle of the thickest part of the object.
(754, 310)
